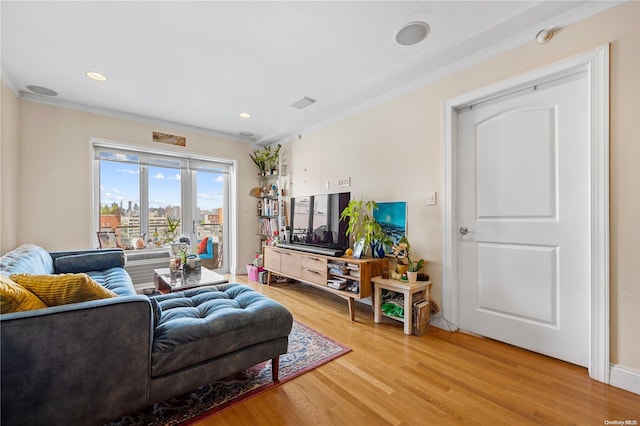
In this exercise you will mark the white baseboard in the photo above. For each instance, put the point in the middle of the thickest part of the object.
(625, 378)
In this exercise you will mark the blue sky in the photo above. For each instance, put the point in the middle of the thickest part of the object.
(120, 182)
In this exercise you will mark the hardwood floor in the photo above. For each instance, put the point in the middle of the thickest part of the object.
(439, 378)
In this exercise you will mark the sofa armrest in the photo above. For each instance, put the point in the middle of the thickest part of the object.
(87, 260)
(83, 363)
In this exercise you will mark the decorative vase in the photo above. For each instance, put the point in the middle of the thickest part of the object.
(412, 276)
(377, 250)
(401, 269)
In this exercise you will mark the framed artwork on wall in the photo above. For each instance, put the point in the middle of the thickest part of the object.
(392, 216)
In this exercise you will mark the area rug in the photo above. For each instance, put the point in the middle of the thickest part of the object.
(308, 349)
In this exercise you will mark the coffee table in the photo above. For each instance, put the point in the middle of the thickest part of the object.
(199, 277)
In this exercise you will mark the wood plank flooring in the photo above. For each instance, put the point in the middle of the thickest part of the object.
(436, 379)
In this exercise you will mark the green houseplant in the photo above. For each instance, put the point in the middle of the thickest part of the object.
(271, 159)
(258, 159)
(362, 226)
(266, 160)
(402, 249)
(171, 229)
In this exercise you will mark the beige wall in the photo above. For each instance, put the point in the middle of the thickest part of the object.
(8, 168)
(55, 175)
(393, 152)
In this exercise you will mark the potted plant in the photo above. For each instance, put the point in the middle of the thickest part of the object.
(266, 160)
(171, 229)
(271, 159)
(258, 159)
(362, 226)
(403, 250)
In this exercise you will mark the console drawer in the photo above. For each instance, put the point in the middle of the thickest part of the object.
(271, 261)
(312, 262)
(290, 263)
(314, 276)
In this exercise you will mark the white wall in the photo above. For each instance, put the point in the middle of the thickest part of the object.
(394, 152)
(55, 176)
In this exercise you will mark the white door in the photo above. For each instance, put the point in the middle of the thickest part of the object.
(522, 213)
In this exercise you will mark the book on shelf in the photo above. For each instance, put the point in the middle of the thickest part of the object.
(421, 316)
(269, 207)
(268, 225)
(354, 270)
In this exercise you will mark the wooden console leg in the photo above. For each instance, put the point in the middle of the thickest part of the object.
(352, 309)
(268, 277)
(275, 365)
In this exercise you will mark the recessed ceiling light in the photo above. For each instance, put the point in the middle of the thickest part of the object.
(42, 91)
(412, 33)
(245, 115)
(246, 134)
(95, 76)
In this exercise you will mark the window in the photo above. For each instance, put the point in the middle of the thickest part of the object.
(139, 194)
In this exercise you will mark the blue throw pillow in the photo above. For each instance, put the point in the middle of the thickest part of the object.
(99, 261)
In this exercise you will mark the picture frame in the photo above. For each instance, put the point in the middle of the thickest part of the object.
(107, 239)
(392, 217)
(358, 247)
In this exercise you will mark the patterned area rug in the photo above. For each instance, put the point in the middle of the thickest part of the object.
(308, 349)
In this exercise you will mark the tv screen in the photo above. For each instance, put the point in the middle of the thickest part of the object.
(315, 220)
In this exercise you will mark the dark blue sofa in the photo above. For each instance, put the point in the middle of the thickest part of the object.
(93, 362)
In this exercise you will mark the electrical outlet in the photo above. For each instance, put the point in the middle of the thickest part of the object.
(344, 183)
(327, 185)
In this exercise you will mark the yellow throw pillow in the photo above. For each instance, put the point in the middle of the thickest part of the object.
(15, 298)
(62, 289)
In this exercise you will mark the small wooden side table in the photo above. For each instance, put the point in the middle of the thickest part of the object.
(407, 289)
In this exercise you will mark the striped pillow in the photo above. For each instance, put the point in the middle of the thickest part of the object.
(15, 298)
(62, 289)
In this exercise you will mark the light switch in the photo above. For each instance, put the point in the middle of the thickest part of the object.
(431, 198)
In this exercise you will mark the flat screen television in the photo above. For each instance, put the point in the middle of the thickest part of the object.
(315, 221)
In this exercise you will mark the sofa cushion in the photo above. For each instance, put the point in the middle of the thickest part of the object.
(62, 289)
(202, 246)
(88, 262)
(26, 259)
(15, 298)
(114, 279)
(200, 324)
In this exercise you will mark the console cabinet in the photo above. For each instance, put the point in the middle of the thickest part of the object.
(313, 269)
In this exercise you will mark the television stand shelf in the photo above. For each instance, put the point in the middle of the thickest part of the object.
(312, 269)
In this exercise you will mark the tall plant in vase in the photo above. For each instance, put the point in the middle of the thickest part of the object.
(258, 159)
(364, 228)
(266, 160)
(271, 159)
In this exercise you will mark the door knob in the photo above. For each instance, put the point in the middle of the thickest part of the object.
(464, 230)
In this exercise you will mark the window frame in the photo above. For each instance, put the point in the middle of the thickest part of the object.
(189, 202)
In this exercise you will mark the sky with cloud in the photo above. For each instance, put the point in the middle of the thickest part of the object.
(120, 182)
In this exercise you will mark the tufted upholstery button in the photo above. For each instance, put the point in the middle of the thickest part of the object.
(200, 324)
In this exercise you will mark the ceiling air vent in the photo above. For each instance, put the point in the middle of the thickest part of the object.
(304, 102)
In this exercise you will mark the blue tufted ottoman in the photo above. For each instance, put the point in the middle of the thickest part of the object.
(214, 332)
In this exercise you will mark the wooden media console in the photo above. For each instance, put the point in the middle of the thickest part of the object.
(318, 270)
